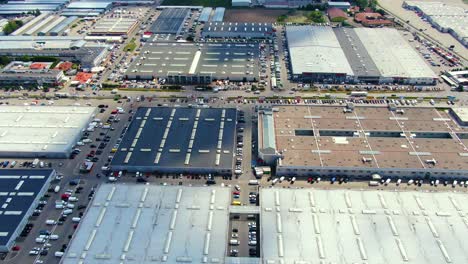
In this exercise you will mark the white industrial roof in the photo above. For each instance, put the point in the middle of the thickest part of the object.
(316, 49)
(393, 56)
(445, 15)
(343, 226)
(41, 129)
(152, 224)
(114, 25)
(437, 8)
(461, 113)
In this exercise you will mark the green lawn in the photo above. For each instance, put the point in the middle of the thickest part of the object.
(301, 17)
(213, 3)
(131, 46)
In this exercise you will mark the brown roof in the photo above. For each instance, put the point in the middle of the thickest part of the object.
(331, 134)
(64, 66)
(335, 12)
(38, 66)
(371, 19)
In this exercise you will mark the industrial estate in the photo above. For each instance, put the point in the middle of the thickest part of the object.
(297, 131)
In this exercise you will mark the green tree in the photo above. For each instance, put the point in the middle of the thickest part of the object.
(362, 3)
(281, 18)
(373, 4)
(316, 17)
(11, 26)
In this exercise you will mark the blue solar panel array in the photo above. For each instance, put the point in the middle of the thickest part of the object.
(161, 138)
(22, 190)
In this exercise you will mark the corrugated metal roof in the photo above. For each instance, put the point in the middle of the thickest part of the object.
(49, 27)
(268, 130)
(315, 49)
(393, 55)
(89, 5)
(219, 14)
(60, 27)
(176, 224)
(205, 14)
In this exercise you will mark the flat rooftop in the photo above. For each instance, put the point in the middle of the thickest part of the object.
(170, 20)
(359, 59)
(179, 138)
(344, 226)
(155, 224)
(40, 130)
(322, 136)
(219, 60)
(114, 26)
(392, 54)
(19, 190)
(361, 52)
(316, 49)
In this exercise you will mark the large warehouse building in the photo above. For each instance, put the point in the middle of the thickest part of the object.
(360, 141)
(72, 48)
(316, 54)
(188, 63)
(87, 8)
(178, 140)
(158, 224)
(352, 226)
(20, 192)
(180, 224)
(360, 55)
(41, 131)
(114, 26)
(445, 17)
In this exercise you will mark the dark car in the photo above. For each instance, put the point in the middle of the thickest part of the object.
(74, 182)
(140, 179)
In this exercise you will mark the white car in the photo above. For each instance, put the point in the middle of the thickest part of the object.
(33, 252)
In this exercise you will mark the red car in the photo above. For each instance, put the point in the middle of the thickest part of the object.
(236, 193)
(65, 196)
(16, 248)
(114, 112)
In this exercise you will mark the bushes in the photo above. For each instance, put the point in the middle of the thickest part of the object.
(11, 26)
(317, 17)
(338, 19)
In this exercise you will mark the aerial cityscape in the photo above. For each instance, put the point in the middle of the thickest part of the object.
(233, 131)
